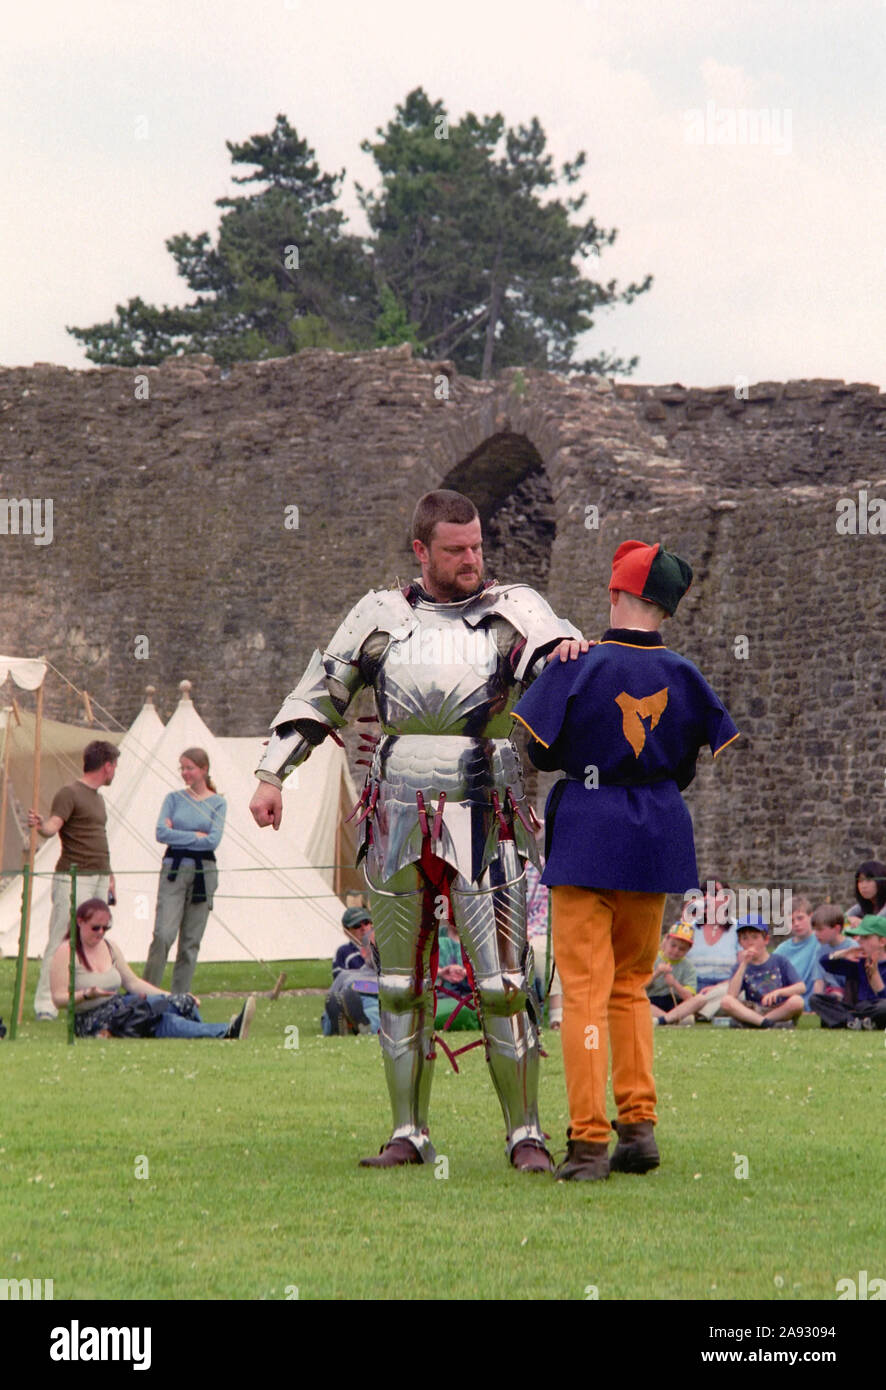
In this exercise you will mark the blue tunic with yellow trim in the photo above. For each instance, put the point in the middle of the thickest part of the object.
(625, 723)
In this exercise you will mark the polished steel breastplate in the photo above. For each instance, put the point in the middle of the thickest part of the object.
(444, 692)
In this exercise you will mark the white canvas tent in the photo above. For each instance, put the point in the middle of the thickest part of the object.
(317, 798)
(272, 904)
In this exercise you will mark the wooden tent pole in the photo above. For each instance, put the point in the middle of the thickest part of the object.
(18, 990)
(72, 963)
(32, 844)
(338, 875)
(5, 793)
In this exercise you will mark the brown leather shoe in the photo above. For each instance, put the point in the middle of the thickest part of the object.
(529, 1156)
(636, 1150)
(397, 1154)
(584, 1162)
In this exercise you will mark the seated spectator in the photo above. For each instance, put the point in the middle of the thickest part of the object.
(827, 923)
(802, 948)
(713, 955)
(863, 965)
(144, 1010)
(352, 1003)
(673, 978)
(870, 889)
(537, 932)
(765, 991)
(453, 985)
(357, 924)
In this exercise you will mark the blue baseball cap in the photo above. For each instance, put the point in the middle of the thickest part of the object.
(755, 923)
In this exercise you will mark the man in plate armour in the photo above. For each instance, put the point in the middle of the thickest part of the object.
(446, 827)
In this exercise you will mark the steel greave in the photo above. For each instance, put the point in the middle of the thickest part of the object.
(406, 1005)
(491, 923)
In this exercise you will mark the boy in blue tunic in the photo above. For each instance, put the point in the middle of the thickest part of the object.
(625, 723)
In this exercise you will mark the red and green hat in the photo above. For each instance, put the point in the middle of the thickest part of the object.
(650, 572)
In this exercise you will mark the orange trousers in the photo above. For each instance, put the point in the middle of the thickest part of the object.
(605, 944)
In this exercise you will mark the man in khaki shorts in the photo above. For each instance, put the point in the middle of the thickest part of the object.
(79, 817)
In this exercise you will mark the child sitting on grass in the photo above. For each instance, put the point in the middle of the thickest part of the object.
(863, 964)
(673, 978)
(453, 986)
(801, 948)
(771, 990)
(827, 923)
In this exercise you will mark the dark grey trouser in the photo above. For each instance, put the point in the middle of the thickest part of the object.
(835, 1014)
(178, 916)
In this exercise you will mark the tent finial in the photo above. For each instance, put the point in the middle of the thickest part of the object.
(185, 688)
(150, 692)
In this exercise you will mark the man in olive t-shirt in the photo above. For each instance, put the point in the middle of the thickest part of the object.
(78, 815)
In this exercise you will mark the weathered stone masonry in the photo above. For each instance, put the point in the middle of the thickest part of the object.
(169, 520)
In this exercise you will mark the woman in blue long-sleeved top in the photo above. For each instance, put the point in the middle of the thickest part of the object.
(190, 824)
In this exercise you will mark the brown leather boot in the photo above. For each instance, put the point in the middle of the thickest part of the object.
(397, 1154)
(529, 1156)
(584, 1162)
(636, 1150)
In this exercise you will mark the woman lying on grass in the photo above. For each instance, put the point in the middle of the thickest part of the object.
(144, 1011)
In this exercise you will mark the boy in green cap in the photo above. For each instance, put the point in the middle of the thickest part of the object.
(864, 966)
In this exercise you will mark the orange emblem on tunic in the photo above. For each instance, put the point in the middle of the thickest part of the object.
(634, 711)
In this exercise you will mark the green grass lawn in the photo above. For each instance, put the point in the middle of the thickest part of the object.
(253, 1190)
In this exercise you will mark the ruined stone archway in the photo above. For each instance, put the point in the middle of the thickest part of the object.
(505, 478)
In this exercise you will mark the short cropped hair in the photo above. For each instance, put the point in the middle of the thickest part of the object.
(800, 903)
(643, 605)
(96, 754)
(442, 505)
(828, 916)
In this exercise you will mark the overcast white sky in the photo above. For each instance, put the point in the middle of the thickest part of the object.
(769, 259)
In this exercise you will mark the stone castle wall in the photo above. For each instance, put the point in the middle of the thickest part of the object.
(170, 490)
